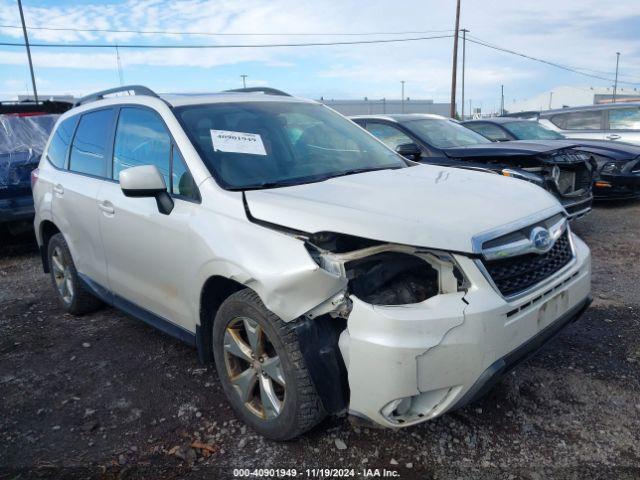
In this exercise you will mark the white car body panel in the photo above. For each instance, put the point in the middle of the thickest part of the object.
(75, 211)
(421, 205)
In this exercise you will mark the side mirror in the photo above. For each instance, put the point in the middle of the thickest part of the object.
(146, 181)
(409, 150)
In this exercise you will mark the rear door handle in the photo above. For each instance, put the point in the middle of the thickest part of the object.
(58, 189)
(613, 136)
(107, 207)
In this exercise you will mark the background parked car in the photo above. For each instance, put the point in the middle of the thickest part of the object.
(618, 174)
(617, 121)
(24, 130)
(554, 166)
(22, 140)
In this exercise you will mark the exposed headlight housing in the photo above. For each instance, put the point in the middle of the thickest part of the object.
(612, 167)
(390, 274)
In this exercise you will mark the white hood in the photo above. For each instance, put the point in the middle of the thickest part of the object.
(425, 205)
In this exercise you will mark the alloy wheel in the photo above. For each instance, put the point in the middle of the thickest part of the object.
(62, 275)
(254, 368)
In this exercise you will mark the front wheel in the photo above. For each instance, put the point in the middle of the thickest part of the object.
(261, 368)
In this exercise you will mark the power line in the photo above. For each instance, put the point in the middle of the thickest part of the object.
(576, 70)
(196, 46)
(227, 34)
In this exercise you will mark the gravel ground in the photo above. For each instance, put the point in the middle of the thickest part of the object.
(105, 396)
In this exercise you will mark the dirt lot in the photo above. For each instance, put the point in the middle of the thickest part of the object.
(106, 396)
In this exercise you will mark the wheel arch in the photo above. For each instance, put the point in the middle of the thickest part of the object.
(46, 230)
(215, 290)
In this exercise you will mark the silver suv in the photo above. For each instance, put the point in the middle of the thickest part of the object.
(616, 121)
(318, 268)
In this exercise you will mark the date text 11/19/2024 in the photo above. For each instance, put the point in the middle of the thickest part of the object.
(315, 473)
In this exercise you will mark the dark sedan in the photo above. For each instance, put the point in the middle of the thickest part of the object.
(618, 174)
(554, 166)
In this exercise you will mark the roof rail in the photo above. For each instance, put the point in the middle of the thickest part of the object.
(136, 89)
(267, 90)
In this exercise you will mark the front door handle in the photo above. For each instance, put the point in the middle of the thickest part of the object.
(58, 189)
(107, 207)
(613, 136)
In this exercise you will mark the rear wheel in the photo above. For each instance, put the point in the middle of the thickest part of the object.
(261, 368)
(72, 295)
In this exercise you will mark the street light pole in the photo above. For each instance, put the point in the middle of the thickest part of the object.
(501, 100)
(464, 55)
(615, 85)
(402, 82)
(26, 42)
(244, 81)
(454, 69)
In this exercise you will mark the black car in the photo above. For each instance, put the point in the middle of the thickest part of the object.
(618, 174)
(555, 166)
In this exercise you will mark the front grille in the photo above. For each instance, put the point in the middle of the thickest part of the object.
(514, 275)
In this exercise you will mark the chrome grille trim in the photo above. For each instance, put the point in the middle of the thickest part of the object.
(478, 240)
(558, 229)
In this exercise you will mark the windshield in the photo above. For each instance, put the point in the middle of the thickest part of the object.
(268, 144)
(531, 130)
(442, 133)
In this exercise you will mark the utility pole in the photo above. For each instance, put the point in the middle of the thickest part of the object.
(501, 100)
(244, 81)
(120, 75)
(550, 99)
(454, 69)
(615, 85)
(464, 54)
(402, 82)
(26, 42)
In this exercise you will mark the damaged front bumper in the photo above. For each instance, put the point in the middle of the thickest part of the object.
(410, 363)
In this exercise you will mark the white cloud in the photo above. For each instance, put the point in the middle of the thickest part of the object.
(566, 32)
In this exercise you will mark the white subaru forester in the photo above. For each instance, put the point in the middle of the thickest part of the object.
(324, 273)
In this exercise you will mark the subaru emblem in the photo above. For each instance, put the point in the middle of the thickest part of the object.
(541, 239)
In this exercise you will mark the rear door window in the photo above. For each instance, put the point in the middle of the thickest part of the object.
(624, 119)
(60, 141)
(89, 149)
(141, 139)
(578, 120)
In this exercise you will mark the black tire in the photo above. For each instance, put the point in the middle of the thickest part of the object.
(79, 301)
(301, 408)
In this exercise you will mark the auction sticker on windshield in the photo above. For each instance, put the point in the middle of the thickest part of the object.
(237, 142)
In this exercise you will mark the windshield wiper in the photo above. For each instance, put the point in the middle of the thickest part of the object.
(355, 171)
(264, 185)
(315, 178)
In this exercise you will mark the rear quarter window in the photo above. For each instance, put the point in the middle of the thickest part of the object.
(60, 140)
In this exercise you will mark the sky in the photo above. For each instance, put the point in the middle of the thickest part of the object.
(584, 34)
